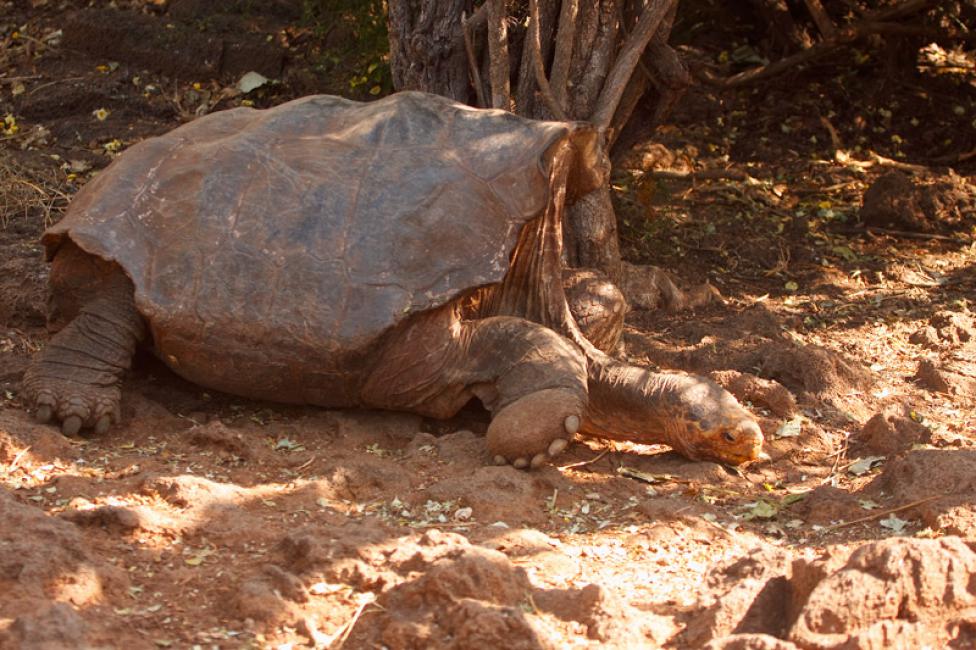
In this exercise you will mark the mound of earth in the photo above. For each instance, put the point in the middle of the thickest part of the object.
(433, 590)
(941, 481)
(205, 520)
(945, 329)
(47, 571)
(896, 592)
(891, 432)
(896, 200)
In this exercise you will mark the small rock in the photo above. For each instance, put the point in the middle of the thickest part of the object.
(752, 595)
(749, 642)
(54, 626)
(107, 516)
(927, 337)
(892, 202)
(954, 328)
(750, 388)
(929, 377)
(897, 588)
(891, 432)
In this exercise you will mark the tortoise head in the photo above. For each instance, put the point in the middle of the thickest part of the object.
(707, 423)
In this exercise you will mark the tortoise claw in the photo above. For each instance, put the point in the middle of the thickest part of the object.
(104, 422)
(44, 413)
(572, 424)
(500, 460)
(538, 461)
(520, 463)
(557, 446)
(71, 425)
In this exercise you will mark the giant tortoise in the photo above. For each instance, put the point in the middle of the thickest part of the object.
(401, 254)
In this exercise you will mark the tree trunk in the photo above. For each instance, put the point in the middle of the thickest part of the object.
(593, 241)
(427, 47)
(590, 50)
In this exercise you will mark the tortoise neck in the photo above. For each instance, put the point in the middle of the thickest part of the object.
(634, 404)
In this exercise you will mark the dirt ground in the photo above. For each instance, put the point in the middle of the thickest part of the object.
(846, 325)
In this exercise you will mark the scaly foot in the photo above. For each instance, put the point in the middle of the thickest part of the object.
(535, 428)
(75, 405)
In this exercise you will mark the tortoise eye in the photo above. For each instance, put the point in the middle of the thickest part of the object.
(729, 436)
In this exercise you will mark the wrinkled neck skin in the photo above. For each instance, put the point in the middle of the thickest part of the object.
(692, 414)
(633, 404)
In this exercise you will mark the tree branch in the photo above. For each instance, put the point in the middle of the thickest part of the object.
(872, 23)
(819, 15)
(565, 40)
(501, 94)
(626, 63)
(540, 71)
(467, 26)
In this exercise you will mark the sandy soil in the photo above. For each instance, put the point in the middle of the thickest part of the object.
(204, 520)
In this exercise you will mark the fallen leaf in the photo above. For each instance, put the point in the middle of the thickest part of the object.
(845, 252)
(791, 428)
(78, 166)
(868, 504)
(795, 497)
(864, 465)
(252, 81)
(894, 523)
(761, 510)
(289, 445)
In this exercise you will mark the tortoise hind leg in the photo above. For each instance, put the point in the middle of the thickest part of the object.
(531, 379)
(76, 377)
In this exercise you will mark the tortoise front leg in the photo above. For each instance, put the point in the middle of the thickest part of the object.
(531, 379)
(76, 377)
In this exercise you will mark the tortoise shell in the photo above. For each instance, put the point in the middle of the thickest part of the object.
(296, 237)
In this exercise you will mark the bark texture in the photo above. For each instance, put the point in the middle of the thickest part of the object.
(427, 47)
(547, 59)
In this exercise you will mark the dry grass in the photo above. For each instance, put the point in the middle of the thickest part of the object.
(35, 193)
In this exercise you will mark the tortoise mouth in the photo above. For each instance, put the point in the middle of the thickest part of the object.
(733, 445)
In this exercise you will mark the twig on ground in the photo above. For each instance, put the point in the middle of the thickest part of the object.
(584, 462)
(17, 458)
(838, 455)
(702, 174)
(907, 234)
(337, 639)
(881, 513)
(53, 83)
(11, 80)
(834, 136)
(955, 158)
